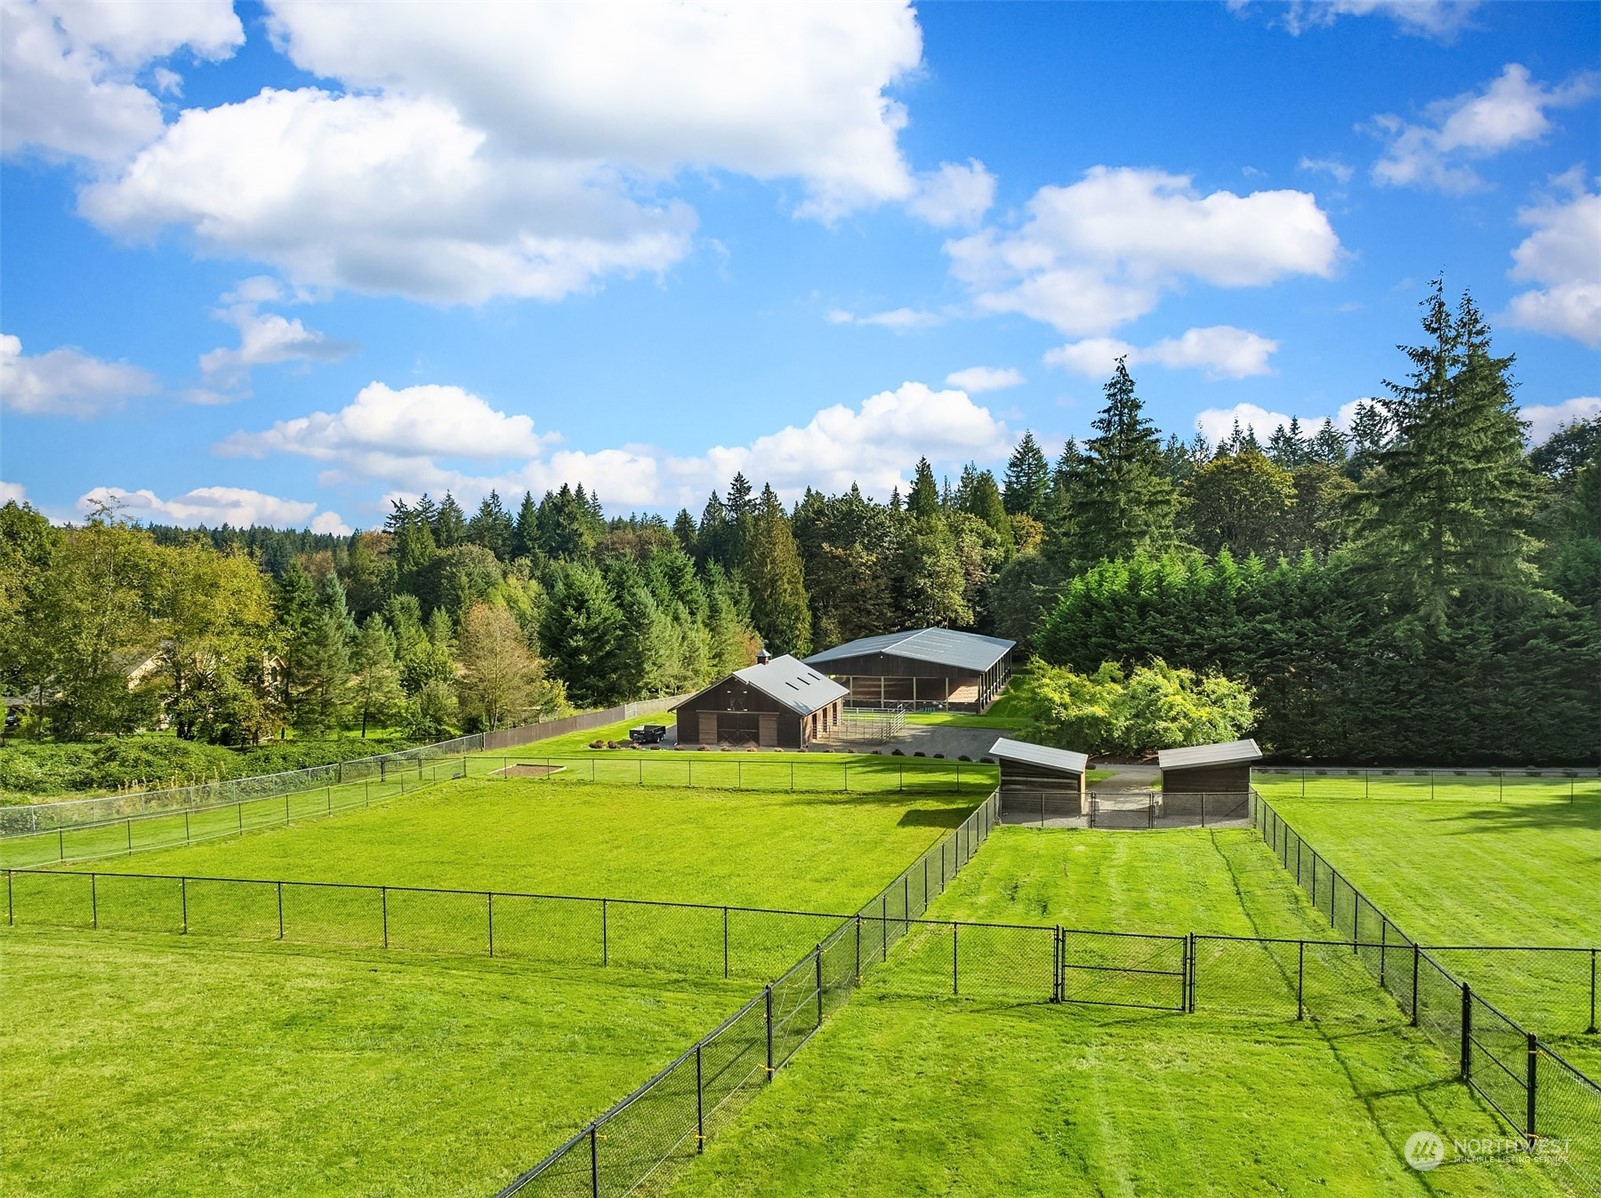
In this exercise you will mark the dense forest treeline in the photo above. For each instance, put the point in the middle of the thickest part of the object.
(1422, 587)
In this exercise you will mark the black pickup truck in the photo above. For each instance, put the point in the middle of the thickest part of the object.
(648, 734)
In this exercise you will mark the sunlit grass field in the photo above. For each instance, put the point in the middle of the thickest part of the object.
(159, 1064)
(809, 851)
(962, 1096)
(1476, 865)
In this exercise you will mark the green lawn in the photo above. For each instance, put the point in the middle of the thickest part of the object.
(963, 719)
(1478, 870)
(981, 1095)
(164, 1065)
(807, 851)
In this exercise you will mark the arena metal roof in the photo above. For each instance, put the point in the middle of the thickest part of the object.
(793, 683)
(943, 646)
(1228, 752)
(1052, 759)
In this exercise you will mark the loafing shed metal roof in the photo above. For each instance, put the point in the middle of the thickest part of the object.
(1041, 755)
(1229, 752)
(942, 646)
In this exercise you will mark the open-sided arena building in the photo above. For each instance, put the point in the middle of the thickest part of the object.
(777, 704)
(925, 667)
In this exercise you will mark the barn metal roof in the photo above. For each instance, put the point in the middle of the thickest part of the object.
(1065, 760)
(793, 683)
(1229, 752)
(943, 646)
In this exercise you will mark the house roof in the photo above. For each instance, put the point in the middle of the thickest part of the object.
(1229, 752)
(793, 683)
(1065, 760)
(943, 646)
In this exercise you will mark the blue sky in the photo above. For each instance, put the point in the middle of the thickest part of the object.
(283, 262)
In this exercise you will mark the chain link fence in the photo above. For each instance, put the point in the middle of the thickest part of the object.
(397, 775)
(667, 1121)
(1125, 810)
(1506, 1063)
(230, 792)
(1359, 782)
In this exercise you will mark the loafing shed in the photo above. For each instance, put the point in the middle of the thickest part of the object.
(923, 667)
(780, 704)
(1037, 780)
(1220, 769)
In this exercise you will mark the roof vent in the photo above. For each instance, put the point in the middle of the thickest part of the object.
(763, 657)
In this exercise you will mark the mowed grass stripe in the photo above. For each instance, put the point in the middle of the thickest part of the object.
(154, 1064)
(962, 1096)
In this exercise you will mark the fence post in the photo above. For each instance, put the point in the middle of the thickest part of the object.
(61, 844)
(491, 897)
(817, 955)
(129, 822)
(906, 904)
(280, 910)
(594, 1164)
(94, 904)
(239, 809)
(1590, 1031)
(1056, 964)
(1467, 1032)
(768, 994)
(1194, 973)
(383, 897)
(883, 926)
(186, 827)
(1416, 953)
(1384, 944)
(286, 808)
(183, 898)
(10, 918)
(605, 938)
(1533, 1078)
(1300, 981)
(955, 958)
(725, 945)
(700, 1110)
(858, 938)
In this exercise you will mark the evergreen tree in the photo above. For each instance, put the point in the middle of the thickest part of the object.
(449, 523)
(376, 694)
(323, 704)
(492, 528)
(713, 539)
(525, 532)
(581, 635)
(1329, 446)
(1451, 495)
(1370, 435)
(1125, 503)
(684, 530)
(922, 501)
(1028, 479)
(773, 574)
(982, 499)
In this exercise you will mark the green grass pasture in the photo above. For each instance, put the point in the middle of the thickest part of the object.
(806, 851)
(1469, 868)
(965, 1094)
(167, 1065)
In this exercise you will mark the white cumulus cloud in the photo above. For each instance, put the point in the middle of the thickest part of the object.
(1441, 20)
(522, 150)
(12, 492)
(1545, 419)
(1509, 111)
(899, 320)
(1221, 351)
(955, 194)
(977, 379)
(1562, 256)
(69, 69)
(1093, 255)
(386, 433)
(66, 381)
(266, 338)
(213, 506)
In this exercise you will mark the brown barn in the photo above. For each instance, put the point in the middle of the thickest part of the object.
(925, 667)
(1037, 780)
(777, 704)
(1218, 769)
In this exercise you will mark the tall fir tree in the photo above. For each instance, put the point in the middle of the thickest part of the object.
(1125, 501)
(922, 501)
(1448, 503)
(1028, 479)
(773, 573)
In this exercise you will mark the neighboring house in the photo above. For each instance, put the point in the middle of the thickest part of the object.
(775, 704)
(924, 667)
